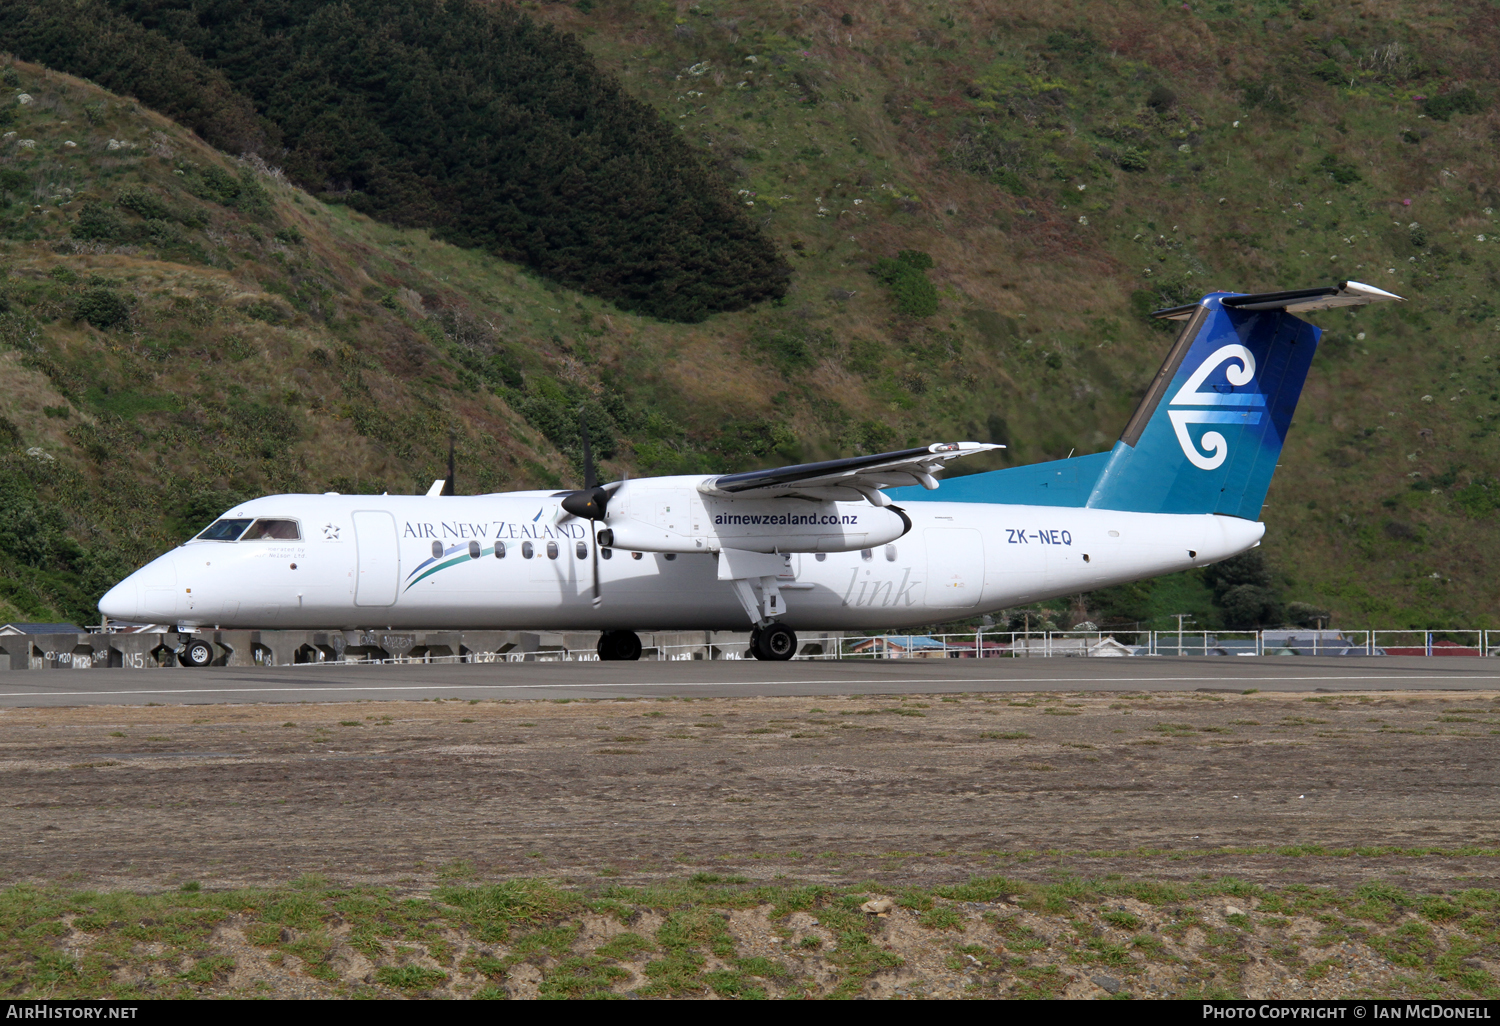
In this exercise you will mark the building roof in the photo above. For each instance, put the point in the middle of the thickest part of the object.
(40, 628)
(908, 642)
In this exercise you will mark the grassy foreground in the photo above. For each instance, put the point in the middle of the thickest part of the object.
(727, 936)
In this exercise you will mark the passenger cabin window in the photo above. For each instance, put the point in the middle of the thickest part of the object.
(583, 551)
(526, 550)
(866, 555)
(437, 550)
(499, 550)
(890, 553)
(223, 530)
(273, 530)
(607, 553)
(552, 550)
(821, 556)
(473, 550)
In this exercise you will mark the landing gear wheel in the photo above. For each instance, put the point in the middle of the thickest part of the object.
(619, 645)
(775, 643)
(196, 652)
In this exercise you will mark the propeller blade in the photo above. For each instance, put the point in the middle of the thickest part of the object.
(593, 528)
(590, 479)
(590, 501)
(448, 488)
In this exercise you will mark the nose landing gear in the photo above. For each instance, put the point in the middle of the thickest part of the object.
(774, 642)
(196, 652)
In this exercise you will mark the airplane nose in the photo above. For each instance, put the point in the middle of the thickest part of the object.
(148, 594)
(122, 601)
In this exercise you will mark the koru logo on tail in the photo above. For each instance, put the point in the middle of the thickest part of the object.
(1215, 448)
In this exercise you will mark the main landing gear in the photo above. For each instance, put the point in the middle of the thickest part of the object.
(616, 645)
(774, 642)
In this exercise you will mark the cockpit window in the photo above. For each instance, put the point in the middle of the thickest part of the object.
(273, 530)
(223, 530)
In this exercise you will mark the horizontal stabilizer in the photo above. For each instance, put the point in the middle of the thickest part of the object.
(1345, 293)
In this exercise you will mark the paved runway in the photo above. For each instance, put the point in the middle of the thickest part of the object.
(731, 679)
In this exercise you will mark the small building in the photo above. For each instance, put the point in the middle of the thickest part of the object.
(40, 628)
(1110, 648)
(1050, 646)
(986, 649)
(902, 646)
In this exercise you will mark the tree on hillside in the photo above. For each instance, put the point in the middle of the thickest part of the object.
(474, 121)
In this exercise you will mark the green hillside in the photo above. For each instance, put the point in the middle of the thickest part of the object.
(199, 329)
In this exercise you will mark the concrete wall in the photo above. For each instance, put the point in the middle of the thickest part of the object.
(280, 648)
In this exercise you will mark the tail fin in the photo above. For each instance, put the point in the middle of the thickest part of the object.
(1207, 435)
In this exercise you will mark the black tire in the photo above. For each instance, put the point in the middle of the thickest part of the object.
(196, 652)
(619, 646)
(776, 643)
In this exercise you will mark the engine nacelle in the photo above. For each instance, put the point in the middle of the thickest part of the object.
(669, 514)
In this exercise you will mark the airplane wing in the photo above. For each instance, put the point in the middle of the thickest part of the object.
(846, 480)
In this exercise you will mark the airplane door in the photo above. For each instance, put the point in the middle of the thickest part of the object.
(379, 558)
(955, 566)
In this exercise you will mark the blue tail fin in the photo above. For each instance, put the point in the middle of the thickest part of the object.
(1207, 435)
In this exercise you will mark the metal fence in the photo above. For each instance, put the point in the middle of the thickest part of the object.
(369, 648)
(733, 646)
(1052, 644)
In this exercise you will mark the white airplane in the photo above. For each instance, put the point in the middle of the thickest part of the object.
(864, 543)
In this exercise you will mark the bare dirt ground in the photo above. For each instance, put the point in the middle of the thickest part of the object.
(888, 795)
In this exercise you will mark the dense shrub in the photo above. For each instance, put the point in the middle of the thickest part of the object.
(144, 203)
(906, 279)
(1341, 171)
(13, 181)
(792, 347)
(1245, 591)
(553, 409)
(99, 223)
(1460, 101)
(102, 307)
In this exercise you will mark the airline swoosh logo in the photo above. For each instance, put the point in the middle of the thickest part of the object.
(444, 564)
(464, 548)
(1240, 373)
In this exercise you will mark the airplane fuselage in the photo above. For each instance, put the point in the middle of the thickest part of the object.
(503, 561)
